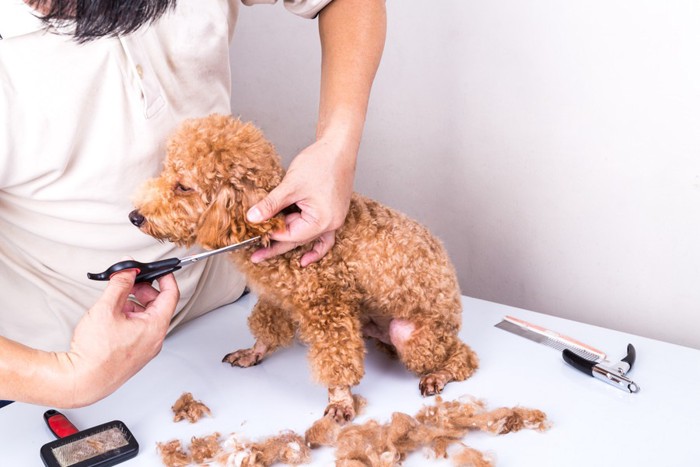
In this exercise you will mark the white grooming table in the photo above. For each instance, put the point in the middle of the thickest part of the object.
(593, 424)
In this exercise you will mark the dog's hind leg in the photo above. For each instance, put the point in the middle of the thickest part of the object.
(272, 328)
(459, 365)
(434, 352)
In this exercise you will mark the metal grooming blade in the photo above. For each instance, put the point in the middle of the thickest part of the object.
(550, 338)
(148, 272)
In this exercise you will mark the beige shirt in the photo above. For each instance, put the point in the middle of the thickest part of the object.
(81, 127)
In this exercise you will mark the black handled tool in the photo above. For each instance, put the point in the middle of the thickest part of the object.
(148, 272)
(612, 374)
(100, 446)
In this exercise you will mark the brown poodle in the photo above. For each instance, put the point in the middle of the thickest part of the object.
(386, 277)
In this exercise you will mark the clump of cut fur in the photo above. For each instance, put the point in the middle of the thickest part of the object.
(435, 427)
(187, 408)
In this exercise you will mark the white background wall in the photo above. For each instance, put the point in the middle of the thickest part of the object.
(554, 146)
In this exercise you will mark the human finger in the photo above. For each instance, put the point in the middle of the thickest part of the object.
(322, 245)
(154, 303)
(275, 249)
(118, 290)
(145, 293)
(300, 229)
(278, 199)
(166, 301)
(289, 219)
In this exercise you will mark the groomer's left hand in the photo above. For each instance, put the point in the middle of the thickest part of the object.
(319, 181)
(117, 336)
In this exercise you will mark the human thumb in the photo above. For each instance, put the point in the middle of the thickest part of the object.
(118, 289)
(267, 207)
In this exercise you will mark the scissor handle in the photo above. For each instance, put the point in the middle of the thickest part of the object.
(155, 274)
(148, 272)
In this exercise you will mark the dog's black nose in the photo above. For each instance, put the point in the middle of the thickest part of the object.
(136, 218)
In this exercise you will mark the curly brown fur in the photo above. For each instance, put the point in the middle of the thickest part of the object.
(185, 407)
(470, 457)
(172, 454)
(437, 427)
(287, 448)
(205, 449)
(386, 273)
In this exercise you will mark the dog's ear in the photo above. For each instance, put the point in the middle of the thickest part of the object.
(216, 227)
(224, 221)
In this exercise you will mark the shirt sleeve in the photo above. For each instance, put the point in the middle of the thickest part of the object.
(304, 8)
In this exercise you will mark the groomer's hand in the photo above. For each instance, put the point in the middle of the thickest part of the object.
(319, 181)
(117, 337)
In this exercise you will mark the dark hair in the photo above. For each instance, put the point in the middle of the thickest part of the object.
(98, 18)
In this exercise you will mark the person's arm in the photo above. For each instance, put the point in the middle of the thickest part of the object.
(112, 342)
(320, 179)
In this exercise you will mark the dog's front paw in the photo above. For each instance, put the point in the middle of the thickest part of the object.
(243, 358)
(340, 411)
(433, 383)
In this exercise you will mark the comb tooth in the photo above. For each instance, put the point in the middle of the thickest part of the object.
(586, 355)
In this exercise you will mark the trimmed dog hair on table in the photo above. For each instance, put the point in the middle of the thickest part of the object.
(435, 428)
(187, 408)
(287, 448)
(386, 277)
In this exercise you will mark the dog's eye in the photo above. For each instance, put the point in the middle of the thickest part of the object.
(180, 188)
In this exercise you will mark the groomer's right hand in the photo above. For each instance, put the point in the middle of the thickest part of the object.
(117, 337)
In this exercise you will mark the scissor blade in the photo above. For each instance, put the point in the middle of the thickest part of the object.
(206, 254)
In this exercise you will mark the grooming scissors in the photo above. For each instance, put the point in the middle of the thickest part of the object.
(148, 272)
